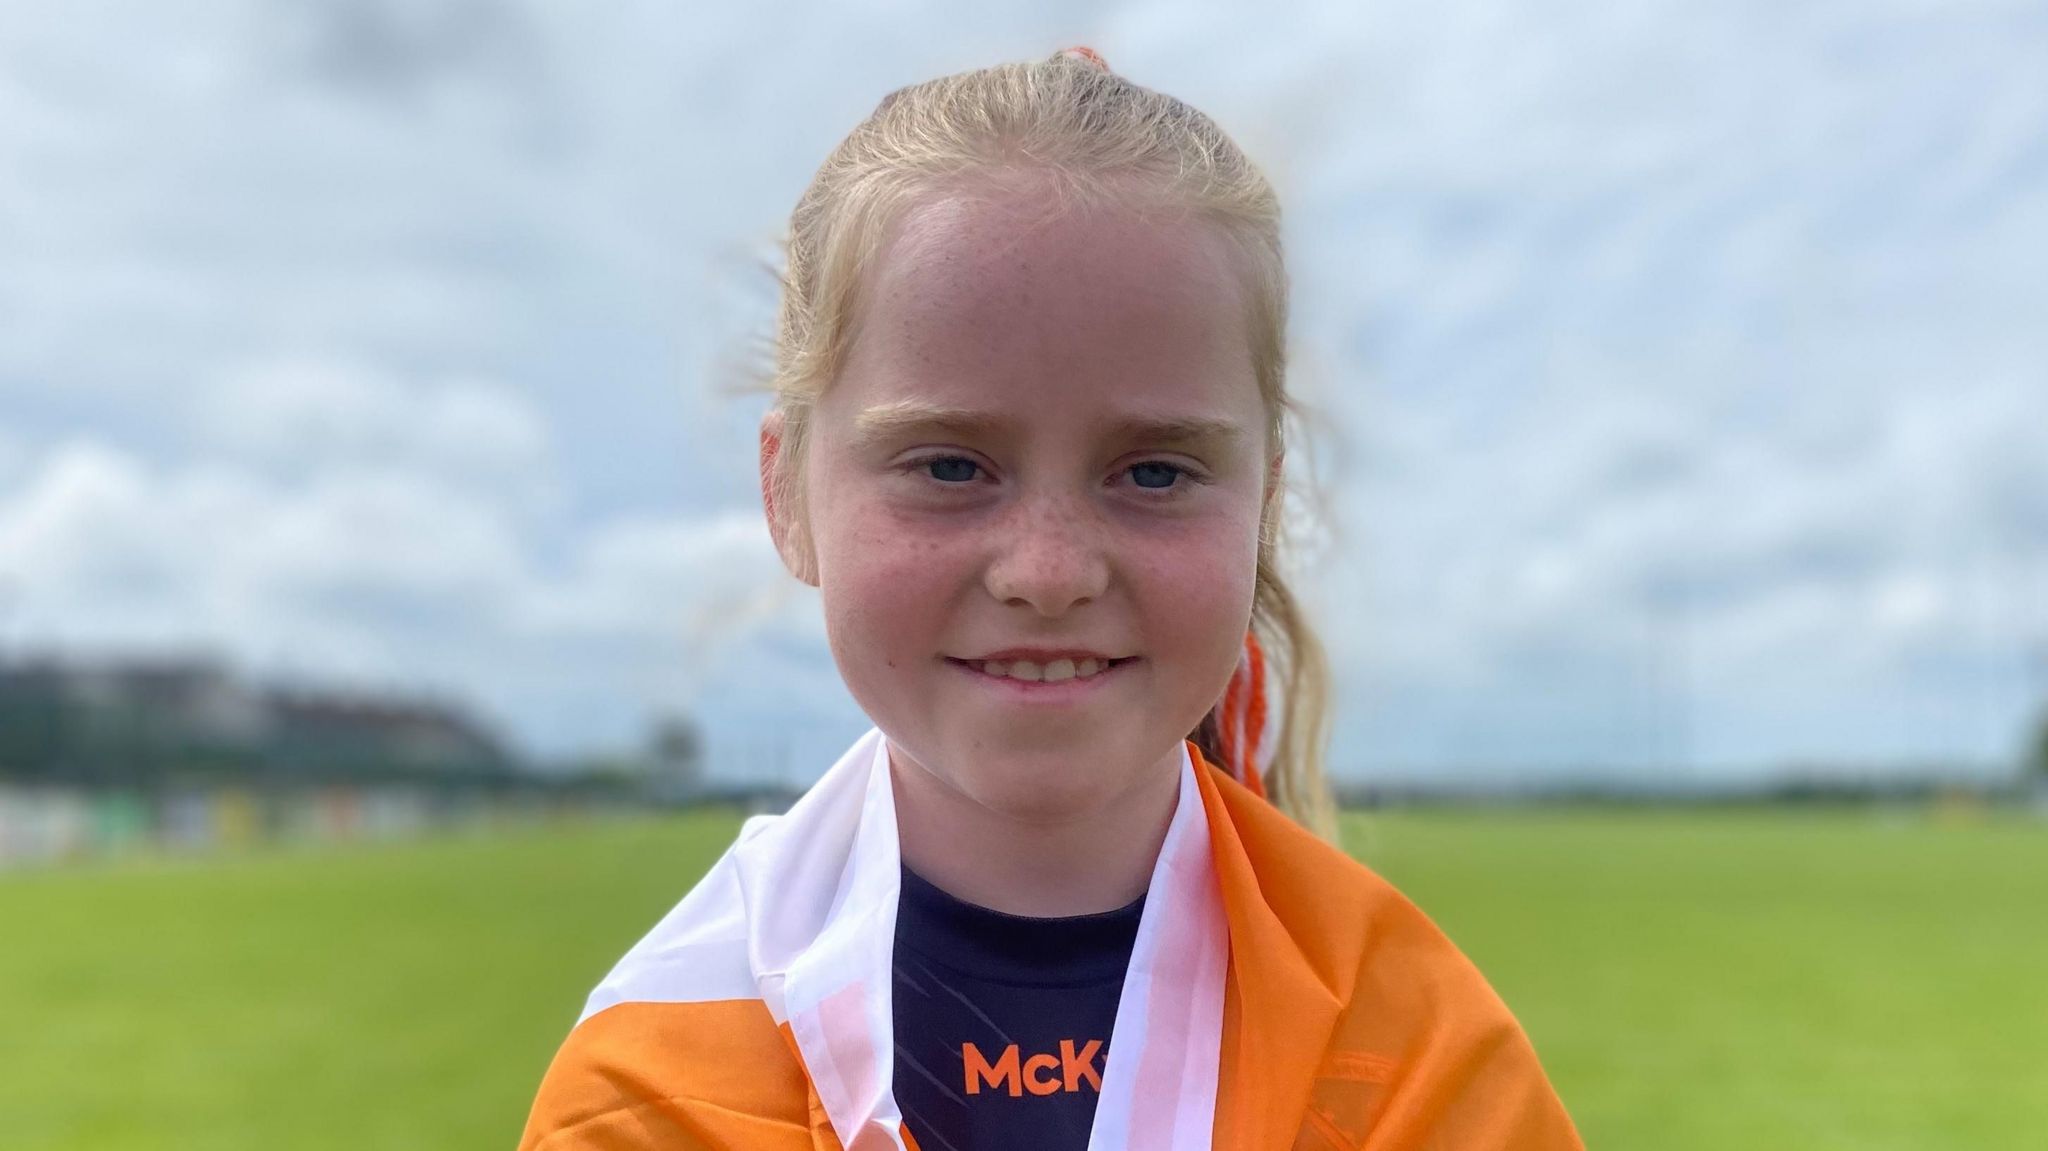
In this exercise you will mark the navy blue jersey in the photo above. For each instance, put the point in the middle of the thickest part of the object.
(1003, 1021)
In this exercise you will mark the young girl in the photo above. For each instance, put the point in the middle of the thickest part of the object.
(1027, 444)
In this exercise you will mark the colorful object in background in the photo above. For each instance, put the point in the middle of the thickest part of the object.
(120, 823)
(46, 825)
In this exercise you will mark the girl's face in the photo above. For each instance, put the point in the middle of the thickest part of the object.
(1034, 494)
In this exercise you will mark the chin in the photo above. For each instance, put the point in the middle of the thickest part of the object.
(1036, 795)
(1050, 785)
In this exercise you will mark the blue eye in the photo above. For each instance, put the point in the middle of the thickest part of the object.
(1157, 476)
(952, 469)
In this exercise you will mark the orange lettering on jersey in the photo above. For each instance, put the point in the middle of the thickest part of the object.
(979, 1071)
(1032, 1067)
(1077, 1066)
(1039, 1074)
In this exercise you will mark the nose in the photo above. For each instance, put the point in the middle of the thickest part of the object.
(1049, 558)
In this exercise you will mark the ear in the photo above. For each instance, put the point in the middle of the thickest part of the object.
(785, 525)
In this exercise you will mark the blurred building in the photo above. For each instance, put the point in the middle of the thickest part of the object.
(100, 757)
(136, 723)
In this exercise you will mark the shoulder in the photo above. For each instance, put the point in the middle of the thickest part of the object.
(675, 1047)
(1422, 1048)
(672, 1075)
(1346, 917)
(1343, 916)
(696, 952)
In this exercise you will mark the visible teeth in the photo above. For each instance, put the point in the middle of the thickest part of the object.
(1054, 672)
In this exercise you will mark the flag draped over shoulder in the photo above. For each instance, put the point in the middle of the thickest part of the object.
(1279, 995)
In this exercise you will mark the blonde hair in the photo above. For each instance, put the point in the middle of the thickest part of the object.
(1097, 136)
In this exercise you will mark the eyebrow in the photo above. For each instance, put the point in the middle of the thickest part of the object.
(904, 416)
(886, 420)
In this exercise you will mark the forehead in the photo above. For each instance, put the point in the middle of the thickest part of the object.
(1007, 291)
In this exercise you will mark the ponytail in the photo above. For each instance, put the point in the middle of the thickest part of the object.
(1273, 742)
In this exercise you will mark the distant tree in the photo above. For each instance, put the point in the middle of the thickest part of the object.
(2037, 749)
(676, 749)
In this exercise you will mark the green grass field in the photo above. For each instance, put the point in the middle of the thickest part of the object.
(1698, 980)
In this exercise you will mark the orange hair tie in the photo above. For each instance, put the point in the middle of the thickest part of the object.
(1241, 718)
(1083, 52)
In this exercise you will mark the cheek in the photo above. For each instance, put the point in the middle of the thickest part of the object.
(883, 584)
(1196, 594)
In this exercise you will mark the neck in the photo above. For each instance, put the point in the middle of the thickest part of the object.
(1081, 862)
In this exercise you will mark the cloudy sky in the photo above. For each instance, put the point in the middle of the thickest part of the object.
(1683, 367)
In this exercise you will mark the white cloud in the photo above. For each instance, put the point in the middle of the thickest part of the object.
(395, 577)
(1684, 361)
(304, 415)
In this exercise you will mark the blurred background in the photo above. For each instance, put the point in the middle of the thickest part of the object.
(388, 633)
